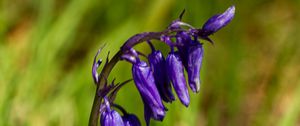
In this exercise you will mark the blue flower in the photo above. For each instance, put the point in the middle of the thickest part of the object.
(191, 53)
(218, 21)
(145, 83)
(176, 75)
(128, 119)
(110, 117)
(158, 65)
(194, 62)
(183, 39)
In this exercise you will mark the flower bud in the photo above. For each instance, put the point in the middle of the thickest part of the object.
(183, 39)
(145, 83)
(110, 117)
(191, 54)
(194, 62)
(158, 63)
(218, 21)
(176, 75)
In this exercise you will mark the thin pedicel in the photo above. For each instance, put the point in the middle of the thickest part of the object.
(155, 77)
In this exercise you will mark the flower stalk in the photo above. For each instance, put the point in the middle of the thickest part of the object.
(94, 116)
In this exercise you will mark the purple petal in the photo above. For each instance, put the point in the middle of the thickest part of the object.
(110, 117)
(147, 114)
(157, 63)
(131, 120)
(117, 119)
(176, 75)
(184, 39)
(195, 55)
(144, 81)
(128, 57)
(218, 21)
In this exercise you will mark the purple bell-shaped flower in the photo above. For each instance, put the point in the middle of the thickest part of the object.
(158, 65)
(182, 39)
(176, 75)
(191, 53)
(110, 117)
(194, 62)
(128, 118)
(145, 83)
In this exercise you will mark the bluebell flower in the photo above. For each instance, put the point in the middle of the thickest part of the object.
(158, 65)
(183, 39)
(191, 53)
(128, 118)
(194, 62)
(144, 81)
(108, 116)
(176, 75)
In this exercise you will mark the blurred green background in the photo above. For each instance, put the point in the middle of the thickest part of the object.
(250, 76)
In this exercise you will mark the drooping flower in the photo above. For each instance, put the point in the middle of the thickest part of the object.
(183, 39)
(176, 75)
(144, 81)
(194, 62)
(191, 53)
(128, 118)
(110, 117)
(158, 65)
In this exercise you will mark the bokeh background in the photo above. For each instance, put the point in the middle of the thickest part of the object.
(250, 77)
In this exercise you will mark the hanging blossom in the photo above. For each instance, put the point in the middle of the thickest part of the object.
(155, 78)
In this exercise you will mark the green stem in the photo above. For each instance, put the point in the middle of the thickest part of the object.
(94, 116)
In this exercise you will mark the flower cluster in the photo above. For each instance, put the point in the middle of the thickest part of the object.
(155, 78)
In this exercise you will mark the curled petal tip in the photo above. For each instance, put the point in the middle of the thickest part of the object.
(195, 86)
(186, 104)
